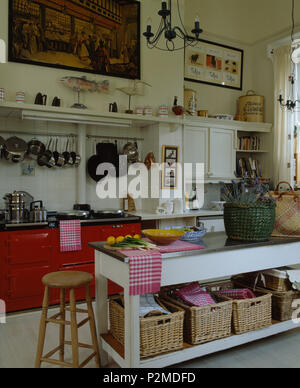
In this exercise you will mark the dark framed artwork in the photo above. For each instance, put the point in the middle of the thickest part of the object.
(170, 158)
(214, 64)
(93, 36)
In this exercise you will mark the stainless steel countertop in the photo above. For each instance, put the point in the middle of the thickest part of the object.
(213, 242)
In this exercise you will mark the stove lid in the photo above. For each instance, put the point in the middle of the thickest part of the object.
(73, 214)
(108, 213)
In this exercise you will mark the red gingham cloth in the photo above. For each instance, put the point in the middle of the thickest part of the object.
(144, 271)
(194, 295)
(239, 293)
(70, 236)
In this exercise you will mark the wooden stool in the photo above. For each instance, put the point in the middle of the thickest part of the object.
(67, 280)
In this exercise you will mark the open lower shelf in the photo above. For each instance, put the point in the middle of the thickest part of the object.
(116, 350)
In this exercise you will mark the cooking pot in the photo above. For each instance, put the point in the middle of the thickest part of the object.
(37, 213)
(35, 148)
(15, 149)
(131, 151)
(17, 206)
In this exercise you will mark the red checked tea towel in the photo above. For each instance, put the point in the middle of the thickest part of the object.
(194, 295)
(242, 293)
(70, 236)
(144, 271)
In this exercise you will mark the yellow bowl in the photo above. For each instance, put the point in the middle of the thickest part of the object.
(162, 236)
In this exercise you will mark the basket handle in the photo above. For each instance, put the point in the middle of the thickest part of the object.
(277, 187)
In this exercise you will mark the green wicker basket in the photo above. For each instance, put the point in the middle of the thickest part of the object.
(249, 222)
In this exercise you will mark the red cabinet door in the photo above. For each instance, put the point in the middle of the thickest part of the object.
(28, 247)
(85, 255)
(24, 288)
(2, 265)
(119, 230)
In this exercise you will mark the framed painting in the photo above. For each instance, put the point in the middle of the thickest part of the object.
(214, 64)
(92, 36)
(170, 158)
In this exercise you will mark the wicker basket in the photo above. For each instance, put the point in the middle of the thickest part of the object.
(203, 324)
(158, 334)
(267, 281)
(248, 314)
(282, 309)
(251, 222)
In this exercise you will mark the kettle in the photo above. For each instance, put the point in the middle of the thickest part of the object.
(37, 213)
(40, 99)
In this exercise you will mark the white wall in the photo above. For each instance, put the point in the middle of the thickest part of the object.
(163, 70)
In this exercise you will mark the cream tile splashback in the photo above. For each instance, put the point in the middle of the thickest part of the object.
(56, 187)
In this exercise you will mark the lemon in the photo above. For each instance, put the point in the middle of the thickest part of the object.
(137, 236)
(111, 240)
(119, 239)
(128, 235)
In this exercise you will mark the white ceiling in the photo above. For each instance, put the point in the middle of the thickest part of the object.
(247, 21)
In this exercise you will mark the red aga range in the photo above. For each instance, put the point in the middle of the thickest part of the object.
(28, 251)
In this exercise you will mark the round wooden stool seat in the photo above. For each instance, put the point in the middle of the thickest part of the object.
(67, 279)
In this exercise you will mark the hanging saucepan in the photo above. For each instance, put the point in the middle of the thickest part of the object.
(15, 149)
(131, 151)
(58, 157)
(51, 161)
(2, 144)
(46, 159)
(35, 148)
(74, 156)
(67, 155)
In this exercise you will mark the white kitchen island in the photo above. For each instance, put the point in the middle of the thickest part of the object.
(221, 258)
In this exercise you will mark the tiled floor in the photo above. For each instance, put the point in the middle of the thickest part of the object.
(18, 341)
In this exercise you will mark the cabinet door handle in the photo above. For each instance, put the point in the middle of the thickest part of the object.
(8, 259)
(9, 289)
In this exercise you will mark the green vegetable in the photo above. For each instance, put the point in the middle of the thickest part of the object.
(130, 242)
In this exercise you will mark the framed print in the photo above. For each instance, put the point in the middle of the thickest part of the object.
(92, 36)
(170, 158)
(214, 64)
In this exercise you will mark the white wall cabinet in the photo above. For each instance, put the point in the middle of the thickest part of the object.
(222, 154)
(212, 146)
(196, 144)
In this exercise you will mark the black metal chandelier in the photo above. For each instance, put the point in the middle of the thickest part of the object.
(170, 32)
(289, 104)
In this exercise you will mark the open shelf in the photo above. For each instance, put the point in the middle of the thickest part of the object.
(93, 117)
(115, 349)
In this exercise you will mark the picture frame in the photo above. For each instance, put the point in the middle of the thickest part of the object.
(79, 35)
(170, 159)
(214, 64)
